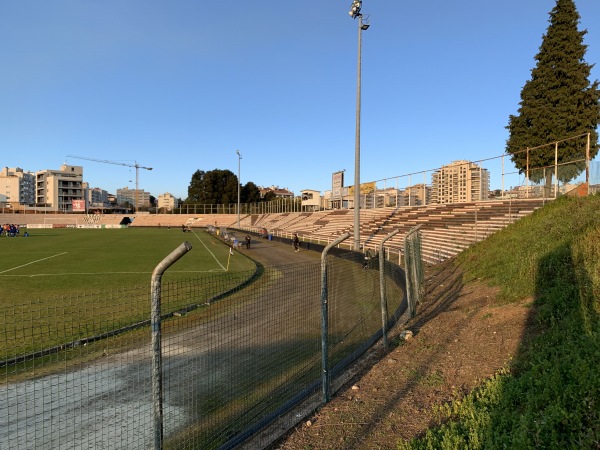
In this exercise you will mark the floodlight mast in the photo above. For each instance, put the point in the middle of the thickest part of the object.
(354, 13)
(239, 183)
(137, 172)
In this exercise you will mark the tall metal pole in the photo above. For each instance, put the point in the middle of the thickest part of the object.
(239, 183)
(137, 187)
(587, 163)
(354, 13)
(357, 146)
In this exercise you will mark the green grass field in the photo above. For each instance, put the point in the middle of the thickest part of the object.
(60, 285)
(53, 262)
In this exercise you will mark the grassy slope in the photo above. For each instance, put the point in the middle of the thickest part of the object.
(549, 397)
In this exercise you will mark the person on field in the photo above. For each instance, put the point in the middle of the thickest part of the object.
(248, 240)
(296, 242)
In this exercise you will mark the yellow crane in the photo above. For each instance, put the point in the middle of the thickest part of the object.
(137, 172)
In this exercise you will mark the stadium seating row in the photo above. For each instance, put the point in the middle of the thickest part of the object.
(447, 229)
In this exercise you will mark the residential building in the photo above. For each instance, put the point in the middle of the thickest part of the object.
(311, 200)
(98, 197)
(279, 193)
(138, 198)
(417, 195)
(460, 181)
(166, 202)
(381, 198)
(17, 186)
(58, 189)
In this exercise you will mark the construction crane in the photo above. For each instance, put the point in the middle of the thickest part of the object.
(137, 172)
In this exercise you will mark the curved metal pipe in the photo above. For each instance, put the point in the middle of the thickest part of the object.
(382, 287)
(325, 318)
(155, 290)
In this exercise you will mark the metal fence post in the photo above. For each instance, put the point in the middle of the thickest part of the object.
(414, 271)
(325, 319)
(382, 287)
(155, 290)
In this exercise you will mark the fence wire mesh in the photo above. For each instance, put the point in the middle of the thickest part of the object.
(238, 350)
(415, 271)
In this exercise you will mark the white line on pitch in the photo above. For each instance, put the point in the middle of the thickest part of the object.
(103, 273)
(213, 255)
(33, 262)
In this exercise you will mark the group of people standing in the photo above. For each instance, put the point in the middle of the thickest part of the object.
(248, 240)
(9, 230)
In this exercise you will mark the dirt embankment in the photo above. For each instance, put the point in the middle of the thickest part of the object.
(461, 336)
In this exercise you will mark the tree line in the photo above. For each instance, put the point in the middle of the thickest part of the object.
(220, 187)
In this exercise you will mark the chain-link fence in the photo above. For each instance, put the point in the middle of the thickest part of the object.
(415, 271)
(595, 177)
(238, 351)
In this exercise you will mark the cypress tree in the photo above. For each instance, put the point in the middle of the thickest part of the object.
(558, 102)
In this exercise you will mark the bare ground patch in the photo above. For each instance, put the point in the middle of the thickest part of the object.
(461, 337)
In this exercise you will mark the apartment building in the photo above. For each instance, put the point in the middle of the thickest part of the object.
(136, 197)
(279, 192)
(17, 187)
(167, 202)
(97, 197)
(460, 181)
(417, 195)
(58, 189)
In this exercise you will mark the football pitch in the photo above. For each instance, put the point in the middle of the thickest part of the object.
(58, 262)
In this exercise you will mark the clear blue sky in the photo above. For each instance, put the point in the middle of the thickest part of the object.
(181, 85)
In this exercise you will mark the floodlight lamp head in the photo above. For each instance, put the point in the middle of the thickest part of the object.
(355, 9)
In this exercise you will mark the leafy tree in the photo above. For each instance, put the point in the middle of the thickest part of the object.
(250, 193)
(213, 187)
(558, 101)
(195, 189)
(269, 196)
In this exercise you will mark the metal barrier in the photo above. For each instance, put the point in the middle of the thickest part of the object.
(230, 363)
(415, 272)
